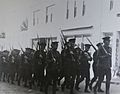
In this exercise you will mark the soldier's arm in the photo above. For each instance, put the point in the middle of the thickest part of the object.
(90, 58)
(49, 57)
(101, 54)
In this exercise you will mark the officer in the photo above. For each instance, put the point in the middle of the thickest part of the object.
(85, 68)
(53, 66)
(95, 70)
(39, 65)
(104, 66)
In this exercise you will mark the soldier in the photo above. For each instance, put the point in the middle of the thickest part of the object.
(18, 61)
(21, 68)
(62, 66)
(69, 63)
(95, 70)
(31, 71)
(78, 58)
(104, 65)
(85, 68)
(39, 65)
(53, 66)
(14, 60)
(5, 61)
(27, 67)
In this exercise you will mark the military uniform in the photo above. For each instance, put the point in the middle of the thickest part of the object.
(14, 60)
(85, 68)
(95, 69)
(5, 62)
(53, 66)
(78, 60)
(27, 67)
(69, 63)
(62, 67)
(21, 69)
(104, 65)
(39, 65)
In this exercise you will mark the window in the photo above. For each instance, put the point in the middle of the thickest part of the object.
(67, 11)
(36, 17)
(49, 13)
(111, 4)
(83, 8)
(47, 40)
(75, 9)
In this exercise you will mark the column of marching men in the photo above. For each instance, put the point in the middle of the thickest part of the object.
(43, 68)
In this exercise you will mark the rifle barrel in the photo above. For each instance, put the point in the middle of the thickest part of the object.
(91, 44)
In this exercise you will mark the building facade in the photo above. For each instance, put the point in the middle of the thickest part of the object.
(82, 18)
(45, 19)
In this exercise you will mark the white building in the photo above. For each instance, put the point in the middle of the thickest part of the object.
(47, 18)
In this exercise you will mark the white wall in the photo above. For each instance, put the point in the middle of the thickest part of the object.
(14, 12)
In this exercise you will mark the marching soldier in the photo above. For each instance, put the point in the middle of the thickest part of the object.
(62, 66)
(53, 66)
(5, 61)
(31, 71)
(78, 60)
(69, 63)
(104, 65)
(14, 60)
(27, 66)
(95, 70)
(18, 61)
(39, 64)
(85, 68)
(21, 68)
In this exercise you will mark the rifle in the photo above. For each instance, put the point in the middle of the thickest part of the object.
(105, 51)
(48, 45)
(1, 47)
(91, 44)
(35, 46)
(49, 50)
(21, 49)
(63, 37)
(38, 42)
(65, 42)
(51, 39)
(62, 42)
(10, 49)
